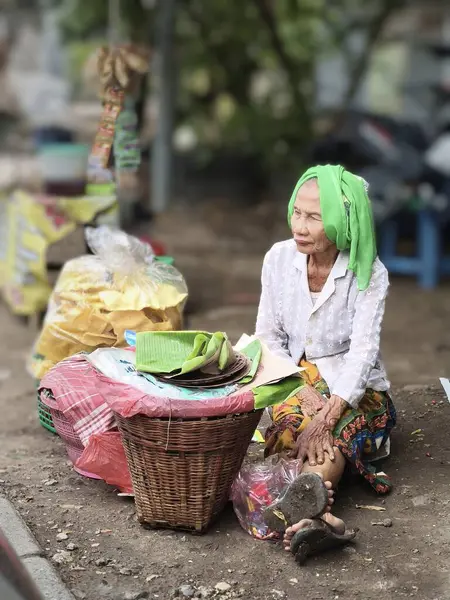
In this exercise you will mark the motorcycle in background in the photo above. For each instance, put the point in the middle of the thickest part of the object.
(402, 165)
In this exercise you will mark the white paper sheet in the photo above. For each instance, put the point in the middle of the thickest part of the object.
(446, 385)
(272, 368)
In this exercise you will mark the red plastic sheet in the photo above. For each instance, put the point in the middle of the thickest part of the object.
(128, 401)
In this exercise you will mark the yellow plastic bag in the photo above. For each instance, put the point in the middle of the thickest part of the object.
(29, 225)
(97, 298)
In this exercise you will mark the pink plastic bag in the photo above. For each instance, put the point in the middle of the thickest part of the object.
(256, 487)
(104, 456)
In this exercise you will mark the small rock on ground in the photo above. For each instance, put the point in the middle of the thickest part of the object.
(223, 586)
(62, 557)
(185, 591)
(135, 595)
(71, 547)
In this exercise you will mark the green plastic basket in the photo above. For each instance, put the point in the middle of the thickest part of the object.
(45, 417)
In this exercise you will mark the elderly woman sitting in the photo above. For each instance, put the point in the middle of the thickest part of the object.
(322, 305)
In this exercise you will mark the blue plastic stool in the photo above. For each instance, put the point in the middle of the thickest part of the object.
(429, 264)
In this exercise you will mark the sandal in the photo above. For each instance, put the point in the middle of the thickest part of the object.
(305, 498)
(319, 537)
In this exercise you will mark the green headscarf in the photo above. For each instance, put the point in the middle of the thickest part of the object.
(347, 216)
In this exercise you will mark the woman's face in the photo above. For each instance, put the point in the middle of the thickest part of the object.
(306, 223)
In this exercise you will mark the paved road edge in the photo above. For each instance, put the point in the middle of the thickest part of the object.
(31, 555)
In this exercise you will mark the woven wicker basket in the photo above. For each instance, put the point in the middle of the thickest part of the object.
(182, 470)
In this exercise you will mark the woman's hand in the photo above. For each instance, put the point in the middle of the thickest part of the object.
(311, 401)
(317, 438)
(314, 441)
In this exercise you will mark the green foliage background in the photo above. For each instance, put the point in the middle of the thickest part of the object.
(245, 69)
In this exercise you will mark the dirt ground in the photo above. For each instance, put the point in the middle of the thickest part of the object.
(108, 555)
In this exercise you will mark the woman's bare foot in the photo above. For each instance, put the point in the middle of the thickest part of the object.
(337, 524)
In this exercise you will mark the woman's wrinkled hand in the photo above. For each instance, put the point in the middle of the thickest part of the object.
(311, 401)
(314, 442)
(317, 438)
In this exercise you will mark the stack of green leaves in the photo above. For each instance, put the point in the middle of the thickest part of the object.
(173, 353)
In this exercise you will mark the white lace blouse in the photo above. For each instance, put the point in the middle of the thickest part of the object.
(339, 332)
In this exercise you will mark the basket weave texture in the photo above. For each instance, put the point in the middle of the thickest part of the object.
(45, 417)
(182, 470)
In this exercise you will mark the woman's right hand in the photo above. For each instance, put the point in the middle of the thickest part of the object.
(314, 442)
(311, 401)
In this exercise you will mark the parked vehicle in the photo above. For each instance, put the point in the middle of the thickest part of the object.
(397, 159)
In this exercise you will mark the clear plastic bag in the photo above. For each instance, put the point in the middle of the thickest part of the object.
(97, 298)
(256, 487)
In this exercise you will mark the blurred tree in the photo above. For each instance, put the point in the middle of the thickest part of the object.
(247, 70)
(90, 20)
